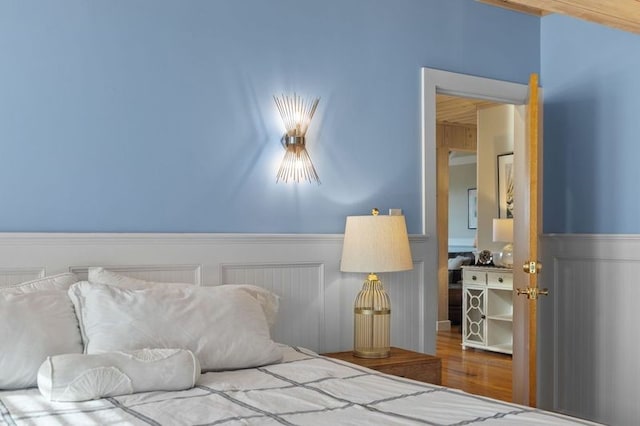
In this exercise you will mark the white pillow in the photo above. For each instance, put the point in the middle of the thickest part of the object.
(78, 377)
(455, 263)
(225, 327)
(35, 322)
(270, 302)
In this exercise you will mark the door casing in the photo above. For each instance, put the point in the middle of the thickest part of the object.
(450, 83)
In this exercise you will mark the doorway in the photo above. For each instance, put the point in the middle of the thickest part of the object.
(442, 82)
(470, 135)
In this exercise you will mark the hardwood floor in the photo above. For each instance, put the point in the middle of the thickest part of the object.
(474, 371)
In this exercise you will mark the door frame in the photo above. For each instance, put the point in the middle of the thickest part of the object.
(456, 84)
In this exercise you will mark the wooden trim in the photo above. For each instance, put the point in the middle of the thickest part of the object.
(505, 4)
(621, 14)
(449, 137)
(443, 228)
(533, 123)
(457, 137)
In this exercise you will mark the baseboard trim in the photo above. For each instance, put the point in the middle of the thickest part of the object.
(443, 325)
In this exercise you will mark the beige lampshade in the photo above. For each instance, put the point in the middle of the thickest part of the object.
(503, 230)
(376, 244)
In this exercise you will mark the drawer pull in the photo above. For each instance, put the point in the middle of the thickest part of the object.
(500, 280)
(473, 277)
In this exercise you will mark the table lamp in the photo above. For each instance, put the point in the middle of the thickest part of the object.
(503, 233)
(374, 244)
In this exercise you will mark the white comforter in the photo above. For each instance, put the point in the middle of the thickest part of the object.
(305, 389)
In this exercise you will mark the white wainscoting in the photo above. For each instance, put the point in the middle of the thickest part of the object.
(190, 274)
(301, 288)
(588, 346)
(316, 298)
(13, 275)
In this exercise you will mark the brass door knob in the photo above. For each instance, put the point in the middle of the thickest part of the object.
(532, 267)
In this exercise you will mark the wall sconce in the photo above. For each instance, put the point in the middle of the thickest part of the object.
(296, 115)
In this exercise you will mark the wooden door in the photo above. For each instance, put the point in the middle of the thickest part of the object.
(527, 228)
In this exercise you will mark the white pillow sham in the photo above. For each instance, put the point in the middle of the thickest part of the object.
(224, 327)
(37, 320)
(79, 377)
(269, 301)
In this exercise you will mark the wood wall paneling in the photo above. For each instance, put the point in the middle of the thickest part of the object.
(458, 110)
(448, 137)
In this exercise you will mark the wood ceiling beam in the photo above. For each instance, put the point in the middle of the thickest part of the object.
(621, 14)
(505, 4)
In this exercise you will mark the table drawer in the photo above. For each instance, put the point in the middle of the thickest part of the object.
(474, 277)
(500, 279)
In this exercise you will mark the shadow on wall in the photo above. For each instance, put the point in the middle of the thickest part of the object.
(573, 165)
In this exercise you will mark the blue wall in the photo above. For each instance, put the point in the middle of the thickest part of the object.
(590, 75)
(157, 115)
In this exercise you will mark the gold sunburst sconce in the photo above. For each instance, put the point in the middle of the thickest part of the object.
(296, 114)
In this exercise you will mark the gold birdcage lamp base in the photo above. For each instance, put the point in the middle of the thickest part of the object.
(372, 319)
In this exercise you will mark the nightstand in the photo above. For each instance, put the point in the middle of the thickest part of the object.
(402, 363)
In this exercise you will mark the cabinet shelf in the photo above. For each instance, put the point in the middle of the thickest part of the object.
(508, 318)
(505, 349)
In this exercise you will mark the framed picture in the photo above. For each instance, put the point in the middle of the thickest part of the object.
(505, 185)
(472, 199)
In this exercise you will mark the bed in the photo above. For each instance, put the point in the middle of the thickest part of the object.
(305, 388)
(124, 351)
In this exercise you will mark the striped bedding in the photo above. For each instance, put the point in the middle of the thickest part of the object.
(305, 389)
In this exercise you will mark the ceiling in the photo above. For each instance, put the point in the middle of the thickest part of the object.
(621, 14)
(457, 110)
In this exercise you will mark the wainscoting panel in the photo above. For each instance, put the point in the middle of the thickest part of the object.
(189, 274)
(12, 276)
(406, 291)
(301, 291)
(588, 346)
(316, 309)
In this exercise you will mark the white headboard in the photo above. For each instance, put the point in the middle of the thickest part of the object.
(316, 299)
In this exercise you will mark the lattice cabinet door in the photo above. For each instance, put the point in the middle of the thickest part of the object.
(474, 331)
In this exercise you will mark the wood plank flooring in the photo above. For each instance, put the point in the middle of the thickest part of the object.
(475, 371)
